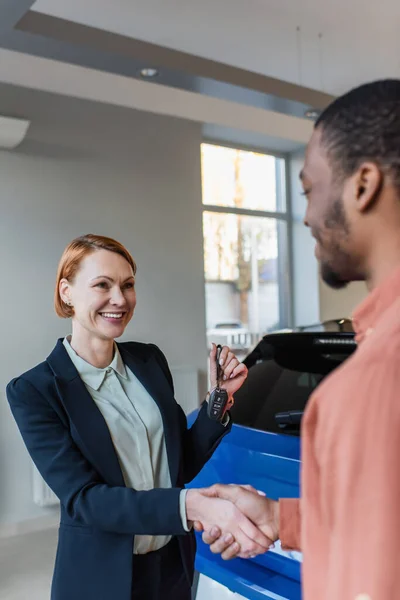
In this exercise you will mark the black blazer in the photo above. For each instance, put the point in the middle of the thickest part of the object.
(69, 441)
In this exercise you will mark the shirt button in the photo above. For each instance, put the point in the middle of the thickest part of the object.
(109, 370)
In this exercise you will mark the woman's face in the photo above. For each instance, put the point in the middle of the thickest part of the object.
(102, 295)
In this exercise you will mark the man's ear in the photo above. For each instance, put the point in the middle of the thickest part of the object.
(368, 183)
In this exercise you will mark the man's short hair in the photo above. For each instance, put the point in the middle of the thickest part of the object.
(364, 125)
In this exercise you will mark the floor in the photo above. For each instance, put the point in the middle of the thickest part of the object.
(26, 565)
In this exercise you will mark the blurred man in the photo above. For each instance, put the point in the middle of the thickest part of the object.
(347, 522)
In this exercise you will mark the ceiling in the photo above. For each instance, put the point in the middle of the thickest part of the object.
(236, 66)
(360, 40)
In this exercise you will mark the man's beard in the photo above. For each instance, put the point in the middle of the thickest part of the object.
(331, 278)
(337, 275)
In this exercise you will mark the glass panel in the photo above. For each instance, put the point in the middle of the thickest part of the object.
(269, 390)
(279, 384)
(242, 277)
(242, 179)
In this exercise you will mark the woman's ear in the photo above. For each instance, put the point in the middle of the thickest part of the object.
(64, 291)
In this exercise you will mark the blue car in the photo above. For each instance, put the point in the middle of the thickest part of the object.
(263, 450)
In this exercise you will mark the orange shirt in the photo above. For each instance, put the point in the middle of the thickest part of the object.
(348, 520)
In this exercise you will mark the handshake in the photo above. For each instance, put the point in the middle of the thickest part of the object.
(236, 520)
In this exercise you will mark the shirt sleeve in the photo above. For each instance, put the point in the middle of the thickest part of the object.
(290, 523)
(182, 508)
(358, 456)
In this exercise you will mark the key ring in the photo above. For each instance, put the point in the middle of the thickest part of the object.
(219, 370)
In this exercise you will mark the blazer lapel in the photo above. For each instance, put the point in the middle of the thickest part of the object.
(151, 376)
(85, 417)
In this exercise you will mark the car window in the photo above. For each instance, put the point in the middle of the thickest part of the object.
(283, 381)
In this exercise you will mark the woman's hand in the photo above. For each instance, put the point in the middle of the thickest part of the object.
(234, 373)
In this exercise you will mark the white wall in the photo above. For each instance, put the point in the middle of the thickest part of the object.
(94, 168)
(335, 304)
(305, 267)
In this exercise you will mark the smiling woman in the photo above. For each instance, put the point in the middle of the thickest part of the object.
(100, 421)
(96, 287)
(71, 260)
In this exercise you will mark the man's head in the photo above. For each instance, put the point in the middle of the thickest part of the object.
(351, 178)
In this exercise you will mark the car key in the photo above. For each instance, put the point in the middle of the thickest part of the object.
(218, 397)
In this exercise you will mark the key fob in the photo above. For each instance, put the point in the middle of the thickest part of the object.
(217, 404)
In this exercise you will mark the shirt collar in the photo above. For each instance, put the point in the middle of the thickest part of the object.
(90, 375)
(368, 313)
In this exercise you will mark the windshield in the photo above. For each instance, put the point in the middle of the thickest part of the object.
(286, 373)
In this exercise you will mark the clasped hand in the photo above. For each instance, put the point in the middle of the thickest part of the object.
(235, 520)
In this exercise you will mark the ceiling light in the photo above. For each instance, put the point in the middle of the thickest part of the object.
(12, 131)
(312, 113)
(149, 72)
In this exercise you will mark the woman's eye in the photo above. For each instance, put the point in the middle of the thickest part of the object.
(129, 286)
(102, 284)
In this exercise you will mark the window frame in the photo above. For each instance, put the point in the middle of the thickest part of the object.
(285, 253)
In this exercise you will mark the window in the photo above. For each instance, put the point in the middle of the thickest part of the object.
(284, 370)
(245, 228)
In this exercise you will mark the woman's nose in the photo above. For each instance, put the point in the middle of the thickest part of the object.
(117, 296)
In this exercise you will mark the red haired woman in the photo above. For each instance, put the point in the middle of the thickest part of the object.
(100, 421)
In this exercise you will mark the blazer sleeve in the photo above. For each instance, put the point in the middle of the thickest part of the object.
(204, 436)
(81, 490)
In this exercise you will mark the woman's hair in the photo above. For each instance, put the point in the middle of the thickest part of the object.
(72, 257)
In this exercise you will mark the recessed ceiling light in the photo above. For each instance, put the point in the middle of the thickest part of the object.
(149, 72)
(312, 113)
(12, 131)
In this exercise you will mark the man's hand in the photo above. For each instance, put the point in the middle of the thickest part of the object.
(262, 511)
(207, 509)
